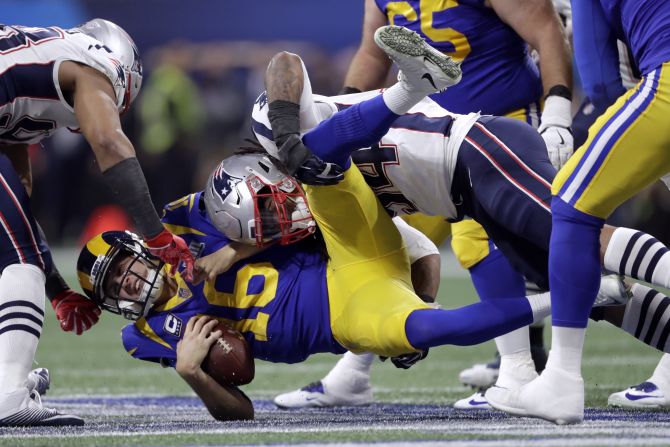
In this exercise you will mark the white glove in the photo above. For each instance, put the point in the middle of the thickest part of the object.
(555, 129)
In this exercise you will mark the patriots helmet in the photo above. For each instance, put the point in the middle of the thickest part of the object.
(250, 200)
(102, 273)
(123, 47)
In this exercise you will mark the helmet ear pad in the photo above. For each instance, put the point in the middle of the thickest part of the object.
(250, 200)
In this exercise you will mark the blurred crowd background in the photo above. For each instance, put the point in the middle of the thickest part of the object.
(204, 62)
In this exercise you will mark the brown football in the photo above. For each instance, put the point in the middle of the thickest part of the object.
(229, 360)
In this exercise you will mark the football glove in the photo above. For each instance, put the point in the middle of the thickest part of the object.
(406, 361)
(555, 129)
(317, 172)
(172, 250)
(75, 312)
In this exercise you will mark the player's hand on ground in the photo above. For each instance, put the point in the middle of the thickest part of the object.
(317, 172)
(209, 267)
(172, 250)
(75, 312)
(199, 336)
(559, 143)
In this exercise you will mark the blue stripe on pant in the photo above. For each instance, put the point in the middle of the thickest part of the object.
(503, 176)
(20, 241)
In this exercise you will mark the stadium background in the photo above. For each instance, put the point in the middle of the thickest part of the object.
(204, 63)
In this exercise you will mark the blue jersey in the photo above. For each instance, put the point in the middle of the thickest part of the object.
(278, 299)
(495, 59)
(643, 25)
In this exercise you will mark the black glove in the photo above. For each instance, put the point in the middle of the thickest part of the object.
(406, 361)
(317, 172)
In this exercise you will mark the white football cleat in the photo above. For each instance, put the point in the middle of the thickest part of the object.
(39, 380)
(480, 375)
(475, 402)
(556, 396)
(644, 395)
(423, 67)
(613, 291)
(29, 412)
(316, 395)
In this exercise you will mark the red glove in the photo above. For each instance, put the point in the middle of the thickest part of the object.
(172, 250)
(75, 312)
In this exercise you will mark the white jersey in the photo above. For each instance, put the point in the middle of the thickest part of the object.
(32, 105)
(412, 167)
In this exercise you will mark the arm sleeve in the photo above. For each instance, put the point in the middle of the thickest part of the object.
(418, 245)
(596, 53)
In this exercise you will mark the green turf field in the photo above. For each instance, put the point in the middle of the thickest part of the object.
(413, 403)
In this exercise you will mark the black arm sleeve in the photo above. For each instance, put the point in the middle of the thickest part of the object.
(128, 184)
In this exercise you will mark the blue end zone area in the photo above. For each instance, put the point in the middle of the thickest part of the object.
(133, 418)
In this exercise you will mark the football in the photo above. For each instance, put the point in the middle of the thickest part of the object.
(229, 360)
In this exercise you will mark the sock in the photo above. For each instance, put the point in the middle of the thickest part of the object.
(495, 278)
(399, 99)
(639, 255)
(574, 264)
(361, 125)
(470, 325)
(516, 370)
(21, 319)
(567, 344)
(661, 376)
(647, 317)
(351, 372)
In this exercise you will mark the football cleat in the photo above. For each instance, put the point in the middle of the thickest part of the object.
(31, 413)
(613, 291)
(644, 395)
(39, 380)
(475, 402)
(422, 67)
(481, 375)
(316, 395)
(556, 396)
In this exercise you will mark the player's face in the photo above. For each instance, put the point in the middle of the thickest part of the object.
(127, 278)
(293, 212)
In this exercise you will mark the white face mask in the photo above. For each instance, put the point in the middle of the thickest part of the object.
(152, 292)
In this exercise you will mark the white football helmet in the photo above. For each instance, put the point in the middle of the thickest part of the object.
(120, 43)
(250, 200)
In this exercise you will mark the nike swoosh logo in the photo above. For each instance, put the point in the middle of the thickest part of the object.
(561, 137)
(430, 79)
(635, 397)
(478, 402)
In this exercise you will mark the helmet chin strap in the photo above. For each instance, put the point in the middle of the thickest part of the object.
(301, 217)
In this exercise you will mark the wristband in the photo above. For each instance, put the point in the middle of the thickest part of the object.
(560, 90)
(284, 119)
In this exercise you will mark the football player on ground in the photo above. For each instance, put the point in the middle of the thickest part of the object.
(499, 78)
(491, 164)
(81, 78)
(625, 151)
(288, 302)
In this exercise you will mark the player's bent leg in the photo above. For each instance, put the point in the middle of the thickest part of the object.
(652, 393)
(347, 384)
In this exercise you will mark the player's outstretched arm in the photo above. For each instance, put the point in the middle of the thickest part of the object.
(98, 117)
(225, 403)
